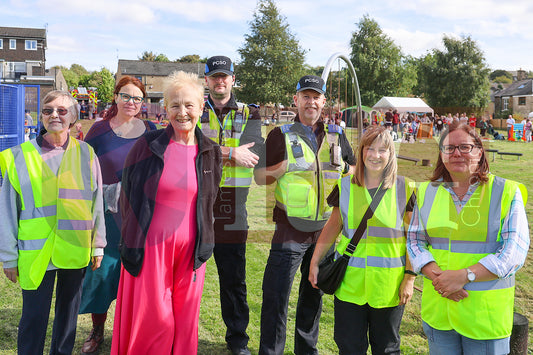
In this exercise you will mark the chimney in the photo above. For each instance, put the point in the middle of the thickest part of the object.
(521, 75)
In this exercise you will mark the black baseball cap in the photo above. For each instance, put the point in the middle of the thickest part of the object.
(311, 82)
(219, 64)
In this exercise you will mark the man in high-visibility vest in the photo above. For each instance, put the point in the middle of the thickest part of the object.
(306, 159)
(237, 129)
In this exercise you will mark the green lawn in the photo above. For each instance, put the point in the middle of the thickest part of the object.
(212, 330)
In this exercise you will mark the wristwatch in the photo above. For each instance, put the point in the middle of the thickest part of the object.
(470, 275)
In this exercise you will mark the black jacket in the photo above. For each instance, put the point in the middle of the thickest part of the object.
(140, 179)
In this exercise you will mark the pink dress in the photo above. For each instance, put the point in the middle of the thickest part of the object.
(157, 311)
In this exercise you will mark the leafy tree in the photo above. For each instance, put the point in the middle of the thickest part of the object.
(78, 69)
(499, 73)
(71, 78)
(378, 63)
(161, 58)
(106, 86)
(192, 58)
(272, 59)
(457, 76)
(147, 56)
(502, 79)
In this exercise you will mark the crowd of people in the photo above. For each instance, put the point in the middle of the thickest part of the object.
(133, 213)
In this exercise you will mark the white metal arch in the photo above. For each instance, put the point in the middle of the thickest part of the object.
(355, 83)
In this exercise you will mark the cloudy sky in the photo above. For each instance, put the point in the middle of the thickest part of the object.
(95, 33)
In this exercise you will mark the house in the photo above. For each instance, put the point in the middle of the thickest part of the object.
(517, 98)
(22, 53)
(152, 74)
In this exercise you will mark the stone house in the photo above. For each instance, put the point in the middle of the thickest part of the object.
(152, 74)
(517, 98)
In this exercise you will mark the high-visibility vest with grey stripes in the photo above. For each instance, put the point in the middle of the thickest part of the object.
(459, 240)
(55, 221)
(303, 189)
(376, 268)
(229, 135)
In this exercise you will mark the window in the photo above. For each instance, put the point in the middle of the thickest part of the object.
(521, 101)
(1, 43)
(505, 103)
(31, 45)
(12, 44)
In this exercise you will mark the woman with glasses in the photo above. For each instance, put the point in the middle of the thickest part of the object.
(468, 236)
(112, 139)
(51, 224)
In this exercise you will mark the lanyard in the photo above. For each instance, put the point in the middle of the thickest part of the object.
(224, 120)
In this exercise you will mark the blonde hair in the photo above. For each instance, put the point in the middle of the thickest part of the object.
(180, 79)
(379, 134)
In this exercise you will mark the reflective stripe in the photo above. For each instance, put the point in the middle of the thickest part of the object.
(234, 181)
(357, 262)
(26, 189)
(75, 194)
(74, 225)
(32, 244)
(301, 165)
(495, 208)
(469, 247)
(376, 261)
(439, 243)
(37, 212)
(490, 285)
(384, 232)
(331, 175)
(401, 199)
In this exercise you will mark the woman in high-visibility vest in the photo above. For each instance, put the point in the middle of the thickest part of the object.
(468, 236)
(51, 224)
(378, 282)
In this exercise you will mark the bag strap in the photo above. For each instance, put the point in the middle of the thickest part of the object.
(358, 234)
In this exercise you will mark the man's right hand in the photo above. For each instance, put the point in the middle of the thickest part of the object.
(243, 156)
(12, 273)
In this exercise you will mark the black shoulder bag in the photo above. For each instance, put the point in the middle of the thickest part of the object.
(331, 271)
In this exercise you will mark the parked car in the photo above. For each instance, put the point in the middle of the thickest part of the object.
(286, 116)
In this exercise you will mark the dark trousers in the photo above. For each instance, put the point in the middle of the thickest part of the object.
(230, 259)
(36, 308)
(284, 260)
(231, 233)
(353, 322)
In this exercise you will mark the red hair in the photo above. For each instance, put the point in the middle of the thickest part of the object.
(125, 80)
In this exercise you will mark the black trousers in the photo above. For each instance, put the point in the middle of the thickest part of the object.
(353, 322)
(231, 233)
(286, 256)
(36, 309)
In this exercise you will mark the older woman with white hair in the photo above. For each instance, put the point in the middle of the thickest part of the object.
(169, 185)
(51, 224)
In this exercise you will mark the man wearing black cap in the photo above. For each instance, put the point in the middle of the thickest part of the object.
(306, 159)
(237, 128)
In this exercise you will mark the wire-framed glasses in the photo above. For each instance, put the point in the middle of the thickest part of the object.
(463, 148)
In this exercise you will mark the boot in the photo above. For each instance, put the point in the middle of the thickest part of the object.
(93, 341)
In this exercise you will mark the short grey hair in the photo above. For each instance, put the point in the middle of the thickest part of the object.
(180, 79)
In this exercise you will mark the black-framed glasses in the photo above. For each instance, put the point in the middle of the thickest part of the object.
(463, 148)
(49, 111)
(126, 98)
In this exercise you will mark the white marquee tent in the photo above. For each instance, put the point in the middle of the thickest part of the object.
(403, 104)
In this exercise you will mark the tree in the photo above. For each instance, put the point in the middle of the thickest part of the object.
(457, 76)
(147, 56)
(106, 86)
(161, 58)
(378, 63)
(272, 59)
(78, 69)
(71, 78)
(192, 58)
(499, 73)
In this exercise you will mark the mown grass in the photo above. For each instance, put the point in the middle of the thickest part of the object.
(212, 329)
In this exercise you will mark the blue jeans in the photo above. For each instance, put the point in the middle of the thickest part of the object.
(449, 342)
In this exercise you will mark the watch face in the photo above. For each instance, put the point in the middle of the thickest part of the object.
(471, 276)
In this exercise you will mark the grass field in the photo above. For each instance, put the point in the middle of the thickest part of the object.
(212, 330)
